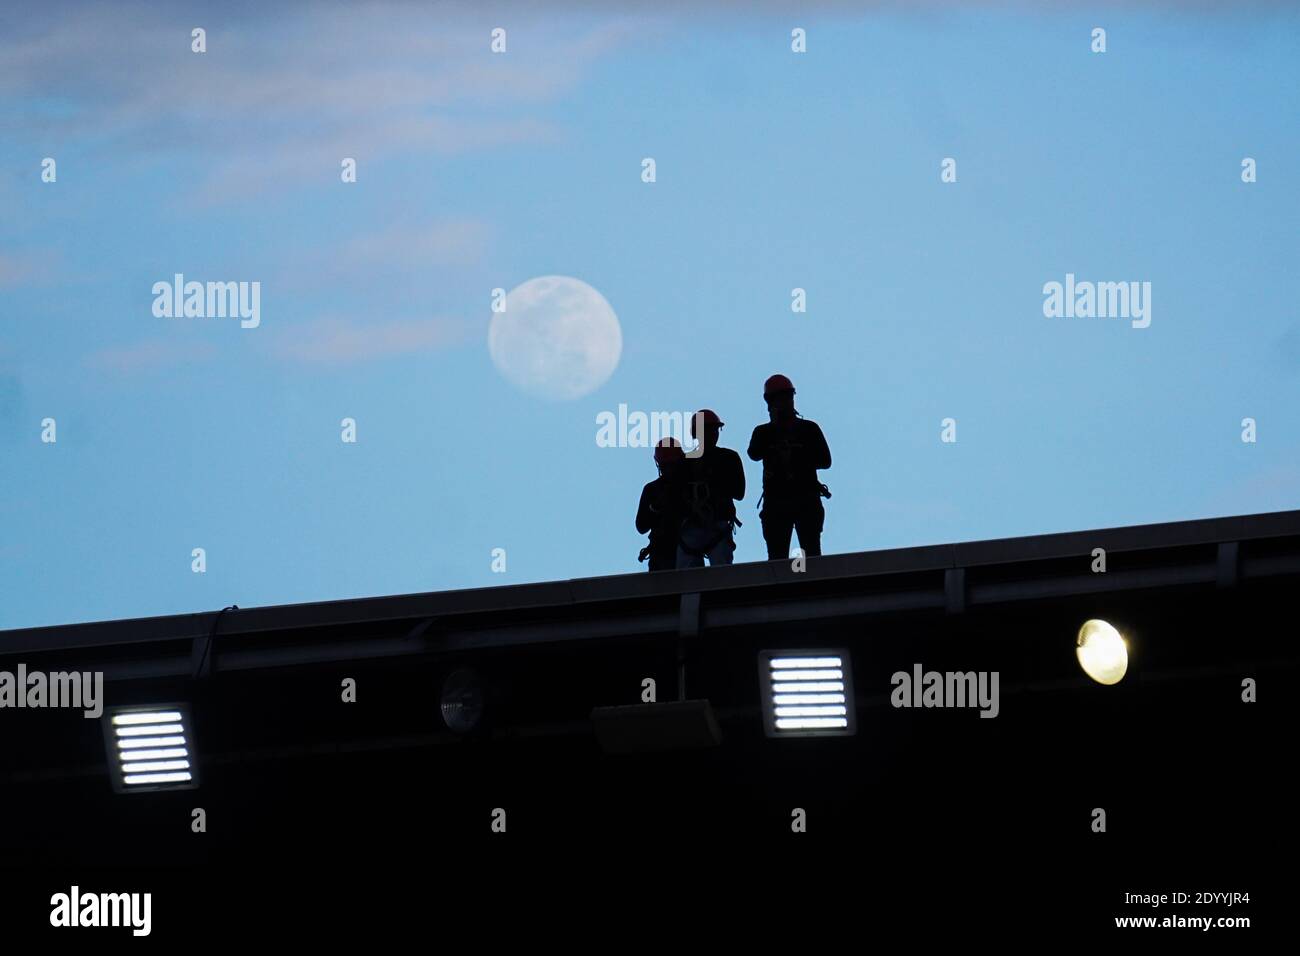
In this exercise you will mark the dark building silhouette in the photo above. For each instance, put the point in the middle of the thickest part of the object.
(990, 816)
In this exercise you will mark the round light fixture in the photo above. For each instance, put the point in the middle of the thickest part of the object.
(1102, 653)
(462, 700)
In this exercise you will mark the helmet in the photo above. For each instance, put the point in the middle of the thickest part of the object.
(777, 383)
(668, 450)
(708, 416)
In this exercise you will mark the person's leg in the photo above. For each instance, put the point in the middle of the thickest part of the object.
(692, 543)
(725, 550)
(778, 525)
(809, 524)
(663, 562)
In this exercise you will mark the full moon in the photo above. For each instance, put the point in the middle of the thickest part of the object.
(557, 339)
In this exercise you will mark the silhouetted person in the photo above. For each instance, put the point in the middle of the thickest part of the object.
(660, 510)
(791, 449)
(713, 482)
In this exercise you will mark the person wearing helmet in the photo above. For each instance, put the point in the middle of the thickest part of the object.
(659, 512)
(792, 449)
(713, 480)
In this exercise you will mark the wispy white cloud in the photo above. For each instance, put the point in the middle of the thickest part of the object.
(315, 158)
(338, 341)
(285, 91)
(388, 265)
(382, 271)
(25, 268)
(452, 242)
(149, 355)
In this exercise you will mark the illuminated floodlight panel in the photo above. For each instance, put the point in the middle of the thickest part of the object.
(807, 693)
(150, 748)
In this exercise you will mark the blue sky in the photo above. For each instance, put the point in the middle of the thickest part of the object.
(775, 170)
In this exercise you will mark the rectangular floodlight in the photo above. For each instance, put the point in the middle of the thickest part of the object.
(150, 748)
(807, 693)
(642, 728)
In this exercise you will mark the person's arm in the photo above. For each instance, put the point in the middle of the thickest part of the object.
(819, 450)
(738, 479)
(644, 516)
(757, 446)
